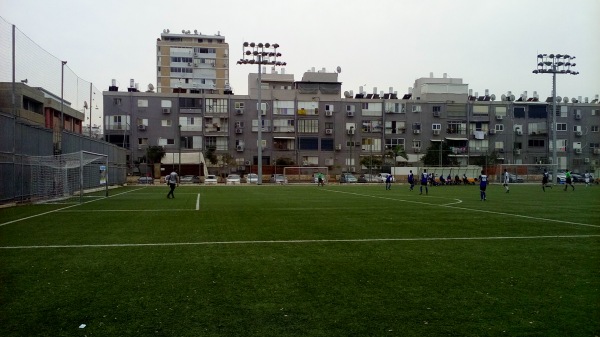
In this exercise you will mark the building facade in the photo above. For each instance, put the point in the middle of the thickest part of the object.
(312, 123)
(191, 62)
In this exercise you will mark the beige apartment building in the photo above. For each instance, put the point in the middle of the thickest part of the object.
(192, 62)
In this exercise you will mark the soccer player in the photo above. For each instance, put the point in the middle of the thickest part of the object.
(506, 180)
(482, 185)
(424, 178)
(569, 180)
(172, 180)
(320, 181)
(411, 180)
(586, 176)
(388, 182)
(545, 180)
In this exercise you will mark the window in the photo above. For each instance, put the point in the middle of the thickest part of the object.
(327, 144)
(537, 128)
(594, 128)
(499, 146)
(536, 143)
(416, 108)
(238, 105)
(283, 125)
(437, 108)
(308, 143)
(308, 126)
(216, 105)
(371, 144)
(563, 111)
(480, 110)
(519, 112)
(166, 122)
(416, 126)
(436, 126)
(395, 127)
(499, 127)
(416, 144)
(561, 126)
(283, 108)
(371, 126)
(393, 142)
(393, 107)
(350, 108)
(500, 111)
(116, 101)
(166, 103)
(142, 103)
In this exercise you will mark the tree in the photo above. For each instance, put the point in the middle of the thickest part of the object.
(155, 154)
(211, 156)
(488, 159)
(371, 161)
(432, 156)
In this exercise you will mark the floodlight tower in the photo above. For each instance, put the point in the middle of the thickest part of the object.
(259, 54)
(554, 64)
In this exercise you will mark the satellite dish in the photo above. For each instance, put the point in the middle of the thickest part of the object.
(183, 31)
(196, 31)
(150, 87)
(493, 97)
(164, 30)
(573, 100)
(558, 98)
(565, 99)
(339, 69)
(503, 97)
(347, 94)
(512, 97)
(168, 31)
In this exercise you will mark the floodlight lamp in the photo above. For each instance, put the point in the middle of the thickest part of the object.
(560, 63)
(551, 56)
(248, 52)
(252, 44)
(255, 53)
(541, 64)
(548, 63)
(267, 45)
(568, 64)
(559, 56)
(535, 71)
(285, 64)
(573, 64)
(260, 45)
(540, 56)
(246, 44)
(275, 45)
(278, 54)
(568, 71)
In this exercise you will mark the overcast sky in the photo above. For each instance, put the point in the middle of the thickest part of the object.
(490, 44)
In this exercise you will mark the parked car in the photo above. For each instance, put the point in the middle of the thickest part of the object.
(279, 179)
(210, 179)
(252, 178)
(348, 178)
(577, 177)
(189, 179)
(383, 176)
(514, 178)
(368, 178)
(233, 179)
(146, 180)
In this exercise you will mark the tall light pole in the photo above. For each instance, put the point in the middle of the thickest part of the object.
(259, 54)
(554, 64)
(62, 102)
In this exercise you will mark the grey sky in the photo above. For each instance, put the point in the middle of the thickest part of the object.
(489, 44)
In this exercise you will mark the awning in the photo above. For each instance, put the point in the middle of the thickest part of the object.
(284, 137)
(412, 158)
(435, 140)
(452, 138)
(186, 158)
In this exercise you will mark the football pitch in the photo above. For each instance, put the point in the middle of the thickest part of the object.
(288, 260)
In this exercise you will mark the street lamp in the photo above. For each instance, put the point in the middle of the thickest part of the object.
(554, 64)
(259, 54)
(351, 163)
(62, 102)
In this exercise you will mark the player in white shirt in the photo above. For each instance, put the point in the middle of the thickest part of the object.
(505, 180)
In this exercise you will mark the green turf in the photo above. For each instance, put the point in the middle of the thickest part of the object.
(305, 261)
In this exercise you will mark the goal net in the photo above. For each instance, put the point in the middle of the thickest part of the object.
(62, 177)
(520, 173)
(305, 174)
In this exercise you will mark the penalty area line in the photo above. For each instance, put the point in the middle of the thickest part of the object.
(207, 243)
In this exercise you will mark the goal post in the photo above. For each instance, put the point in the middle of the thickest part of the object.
(522, 173)
(61, 177)
(304, 174)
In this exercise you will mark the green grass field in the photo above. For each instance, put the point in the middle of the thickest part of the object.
(304, 261)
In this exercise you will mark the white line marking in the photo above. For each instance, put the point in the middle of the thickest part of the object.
(61, 209)
(198, 202)
(469, 209)
(116, 245)
(123, 210)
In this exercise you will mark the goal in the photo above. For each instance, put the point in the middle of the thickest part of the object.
(61, 177)
(520, 173)
(304, 174)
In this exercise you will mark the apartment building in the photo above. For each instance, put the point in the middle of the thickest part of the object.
(191, 62)
(312, 123)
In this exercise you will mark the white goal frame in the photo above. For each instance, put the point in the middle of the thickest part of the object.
(530, 173)
(304, 174)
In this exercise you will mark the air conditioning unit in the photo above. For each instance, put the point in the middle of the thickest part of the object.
(189, 64)
(417, 149)
(166, 110)
(577, 115)
(239, 111)
(263, 112)
(350, 113)
(142, 127)
(501, 150)
(239, 130)
(238, 124)
(436, 132)
(597, 150)
(519, 133)
(328, 131)
(492, 132)
(417, 131)
(247, 162)
(586, 160)
(240, 148)
(338, 147)
(350, 131)
(328, 113)
(499, 118)
(517, 151)
(578, 133)
(578, 151)
(436, 114)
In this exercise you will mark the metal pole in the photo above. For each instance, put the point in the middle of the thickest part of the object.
(62, 103)
(554, 159)
(90, 110)
(259, 182)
